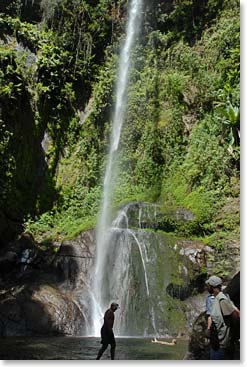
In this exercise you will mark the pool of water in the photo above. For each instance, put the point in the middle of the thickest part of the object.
(80, 348)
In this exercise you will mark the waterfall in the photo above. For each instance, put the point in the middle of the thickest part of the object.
(126, 278)
(104, 250)
(143, 260)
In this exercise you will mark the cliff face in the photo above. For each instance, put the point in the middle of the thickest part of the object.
(47, 290)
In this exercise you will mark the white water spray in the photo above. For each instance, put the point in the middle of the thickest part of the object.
(103, 232)
(142, 258)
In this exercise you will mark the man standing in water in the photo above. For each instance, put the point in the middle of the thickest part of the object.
(107, 336)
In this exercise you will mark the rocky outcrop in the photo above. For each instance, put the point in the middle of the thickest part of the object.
(74, 260)
(39, 310)
(46, 288)
(44, 292)
(193, 257)
(147, 215)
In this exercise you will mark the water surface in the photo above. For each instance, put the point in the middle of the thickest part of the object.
(80, 348)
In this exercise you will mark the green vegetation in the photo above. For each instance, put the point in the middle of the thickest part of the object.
(180, 141)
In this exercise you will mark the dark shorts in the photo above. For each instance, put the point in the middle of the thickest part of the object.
(107, 337)
(222, 353)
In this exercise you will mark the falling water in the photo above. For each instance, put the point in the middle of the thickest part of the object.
(142, 258)
(143, 251)
(121, 271)
(103, 231)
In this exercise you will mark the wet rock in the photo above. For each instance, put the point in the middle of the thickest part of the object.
(195, 306)
(183, 214)
(41, 311)
(195, 251)
(52, 291)
(74, 260)
(147, 215)
(165, 280)
(193, 257)
(199, 344)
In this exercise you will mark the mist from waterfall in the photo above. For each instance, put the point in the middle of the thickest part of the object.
(102, 295)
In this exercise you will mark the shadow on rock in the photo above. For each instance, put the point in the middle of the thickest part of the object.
(42, 288)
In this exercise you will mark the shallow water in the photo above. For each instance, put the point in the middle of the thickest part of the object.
(78, 348)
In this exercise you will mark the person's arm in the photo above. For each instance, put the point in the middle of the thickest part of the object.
(209, 305)
(229, 310)
(209, 322)
(236, 314)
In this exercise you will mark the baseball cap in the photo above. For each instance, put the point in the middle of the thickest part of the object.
(214, 281)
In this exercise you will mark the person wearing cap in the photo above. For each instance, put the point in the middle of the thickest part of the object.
(107, 335)
(222, 311)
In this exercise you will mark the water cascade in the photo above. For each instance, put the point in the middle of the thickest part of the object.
(102, 285)
(126, 277)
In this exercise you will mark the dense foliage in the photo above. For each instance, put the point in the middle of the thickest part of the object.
(47, 72)
(180, 142)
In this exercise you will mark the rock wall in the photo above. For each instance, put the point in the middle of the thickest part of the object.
(47, 292)
(43, 292)
(45, 289)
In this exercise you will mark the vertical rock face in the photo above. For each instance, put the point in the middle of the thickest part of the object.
(151, 275)
(73, 265)
(46, 293)
(74, 260)
(157, 279)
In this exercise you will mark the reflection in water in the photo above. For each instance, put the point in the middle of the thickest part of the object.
(72, 348)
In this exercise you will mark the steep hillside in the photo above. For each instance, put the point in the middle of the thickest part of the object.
(50, 54)
(180, 141)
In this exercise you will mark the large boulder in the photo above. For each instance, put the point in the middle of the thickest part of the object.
(47, 291)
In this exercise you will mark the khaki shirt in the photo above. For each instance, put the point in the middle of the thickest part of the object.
(222, 306)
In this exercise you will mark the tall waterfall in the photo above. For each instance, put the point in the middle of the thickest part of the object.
(102, 294)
